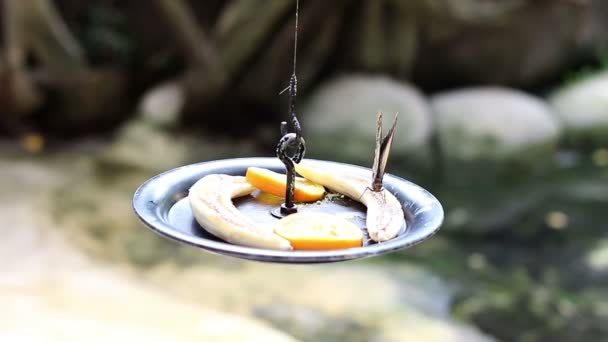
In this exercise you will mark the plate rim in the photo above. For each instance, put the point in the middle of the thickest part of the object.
(146, 210)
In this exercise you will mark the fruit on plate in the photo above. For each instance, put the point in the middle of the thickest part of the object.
(276, 183)
(385, 217)
(211, 202)
(319, 231)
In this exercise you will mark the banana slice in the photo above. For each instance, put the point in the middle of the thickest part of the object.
(385, 216)
(211, 202)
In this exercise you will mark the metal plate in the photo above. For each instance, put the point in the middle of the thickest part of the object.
(162, 204)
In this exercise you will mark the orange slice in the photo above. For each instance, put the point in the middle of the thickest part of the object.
(318, 231)
(275, 183)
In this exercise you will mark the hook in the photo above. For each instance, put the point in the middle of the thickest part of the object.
(287, 142)
(291, 141)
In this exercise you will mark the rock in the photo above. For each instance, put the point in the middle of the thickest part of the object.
(89, 304)
(510, 42)
(339, 119)
(597, 259)
(147, 146)
(51, 291)
(583, 109)
(384, 301)
(142, 145)
(93, 221)
(163, 104)
(96, 312)
(494, 124)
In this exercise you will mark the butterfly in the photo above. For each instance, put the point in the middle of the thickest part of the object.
(381, 154)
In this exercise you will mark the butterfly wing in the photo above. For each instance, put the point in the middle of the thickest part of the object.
(382, 153)
(375, 168)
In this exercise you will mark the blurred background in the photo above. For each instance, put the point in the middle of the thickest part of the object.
(503, 115)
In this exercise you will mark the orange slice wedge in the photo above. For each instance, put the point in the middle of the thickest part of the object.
(275, 183)
(318, 231)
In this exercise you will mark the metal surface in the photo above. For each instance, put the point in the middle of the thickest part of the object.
(291, 141)
(161, 205)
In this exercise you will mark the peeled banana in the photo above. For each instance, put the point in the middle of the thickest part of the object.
(211, 202)
(385, 217)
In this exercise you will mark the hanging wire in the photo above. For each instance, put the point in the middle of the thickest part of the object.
(291, 141)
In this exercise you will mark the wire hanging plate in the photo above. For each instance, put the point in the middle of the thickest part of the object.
(162, 204)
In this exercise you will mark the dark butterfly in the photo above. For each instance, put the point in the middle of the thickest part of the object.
(383, 150)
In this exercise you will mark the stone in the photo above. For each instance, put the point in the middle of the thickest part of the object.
(494, 124)
(145, 145)
(384, 301)
(142, 145)
(82, 244)
(90, 305)
(511, 42)
(597, 259)
(339, 119)
(583, 109)
(51, 291)
(162, 105)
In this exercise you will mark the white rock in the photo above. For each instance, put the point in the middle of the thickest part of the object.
(583, 108)
(163, 104)
(146, 146)
(339, 119)
(493, 123)
(597, 259)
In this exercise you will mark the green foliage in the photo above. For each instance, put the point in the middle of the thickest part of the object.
(106, 35)
(600, 64)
